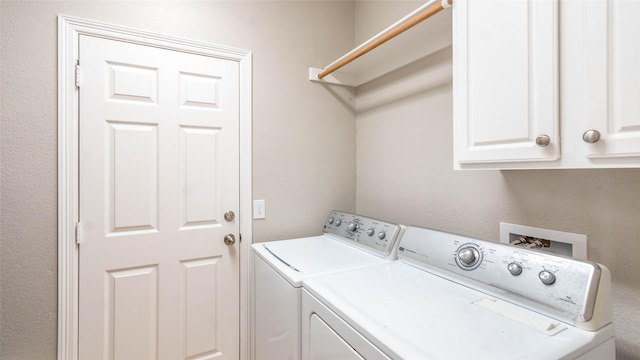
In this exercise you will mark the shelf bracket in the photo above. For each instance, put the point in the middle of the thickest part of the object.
(336, 78)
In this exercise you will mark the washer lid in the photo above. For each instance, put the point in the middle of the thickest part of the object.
(412, 314)
(318, 254)
(297, 259)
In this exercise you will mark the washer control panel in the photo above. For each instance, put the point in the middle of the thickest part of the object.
(562, 283)
(373, 234)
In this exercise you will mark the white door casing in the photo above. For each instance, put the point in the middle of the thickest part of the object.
(154, 224)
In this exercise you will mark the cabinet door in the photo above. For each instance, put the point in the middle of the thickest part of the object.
(505, 58)
(613, 77)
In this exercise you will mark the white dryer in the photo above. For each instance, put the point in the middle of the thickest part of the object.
(452, 297)
(348, 242)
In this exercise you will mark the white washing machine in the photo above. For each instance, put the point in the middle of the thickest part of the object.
(452, 297)
(348, 242)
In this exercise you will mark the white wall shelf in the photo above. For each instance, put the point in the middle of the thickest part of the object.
(414, 43)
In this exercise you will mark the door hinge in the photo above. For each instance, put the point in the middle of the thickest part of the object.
(79, 233)
(78, 74)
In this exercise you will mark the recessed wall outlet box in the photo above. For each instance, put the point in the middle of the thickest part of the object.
(259, 209)
(557, 242)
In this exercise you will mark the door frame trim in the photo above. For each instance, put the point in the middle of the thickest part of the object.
(69, 30)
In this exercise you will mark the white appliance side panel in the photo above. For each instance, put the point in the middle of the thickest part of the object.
(605, 350)
(276, 315)
(314, 337)
(419, 315)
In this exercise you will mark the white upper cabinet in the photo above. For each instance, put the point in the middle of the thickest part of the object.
(612, 33)
(505, 80)
(521, 101)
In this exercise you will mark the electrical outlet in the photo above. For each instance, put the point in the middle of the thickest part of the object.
(557, 242)
(259, 209)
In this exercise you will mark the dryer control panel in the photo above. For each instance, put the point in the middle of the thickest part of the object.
(371, 234)
(562, 283)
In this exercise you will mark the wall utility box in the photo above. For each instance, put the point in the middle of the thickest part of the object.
(552, 241)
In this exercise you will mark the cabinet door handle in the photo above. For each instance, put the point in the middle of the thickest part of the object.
(591, 136)
(543, 140)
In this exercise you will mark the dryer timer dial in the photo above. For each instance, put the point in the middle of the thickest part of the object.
(468, 256)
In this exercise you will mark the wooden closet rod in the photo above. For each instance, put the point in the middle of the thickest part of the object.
(394, 30)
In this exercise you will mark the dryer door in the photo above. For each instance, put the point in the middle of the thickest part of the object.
(326, 336)
(325, 343)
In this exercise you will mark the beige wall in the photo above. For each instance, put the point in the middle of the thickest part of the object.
(304, 153)
(303, 148)
(412, 109)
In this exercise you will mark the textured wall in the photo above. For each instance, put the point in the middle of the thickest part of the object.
(0, 176)
(304, 154)
(412, 107)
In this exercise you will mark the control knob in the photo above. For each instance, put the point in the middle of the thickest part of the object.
(515, 269)
(371, 231)
(338, 222)
(330, 221)
(547, 277)
(382, 235)
(468, 257)
(352, 226)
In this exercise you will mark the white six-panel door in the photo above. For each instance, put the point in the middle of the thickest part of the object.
(159, 166)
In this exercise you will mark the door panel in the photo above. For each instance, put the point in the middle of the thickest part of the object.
(201, 281)
(132, 298)
(613, 91)
(199, 147)
(159, 150)
(505, 81)
(133, 165)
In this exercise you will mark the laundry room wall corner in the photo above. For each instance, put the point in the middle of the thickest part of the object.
(303, 136)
